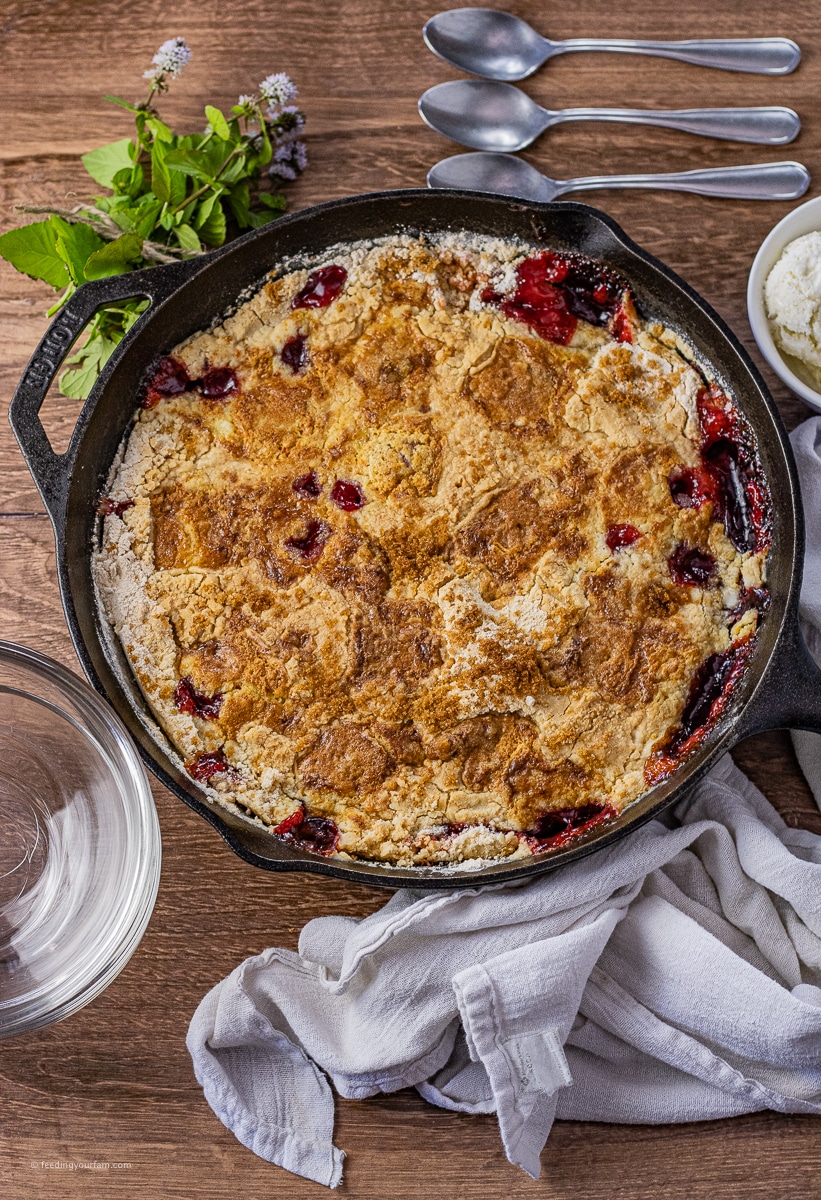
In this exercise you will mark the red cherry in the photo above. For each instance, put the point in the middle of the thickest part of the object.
(619, 536)
(307, 486)
(208, 764)
(322, 288)
(295, 353)
(188, 700)
(690, 567)
(218, 383)
(347, 495)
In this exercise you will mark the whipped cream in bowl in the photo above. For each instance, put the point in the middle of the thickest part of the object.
(784, 301)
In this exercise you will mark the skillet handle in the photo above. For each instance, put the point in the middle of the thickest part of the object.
(790, 693)
(50, 470)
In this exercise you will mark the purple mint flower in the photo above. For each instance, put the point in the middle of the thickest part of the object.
(170, 59)
(289, 160)
(278, 90)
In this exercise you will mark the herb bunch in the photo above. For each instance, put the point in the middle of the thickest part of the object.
(172, 196)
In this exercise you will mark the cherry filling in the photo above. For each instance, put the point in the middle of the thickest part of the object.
(709, 694)
(319, 834)
(691, 487)
(188, 700)
(750, 598)
(208, 764)
(442, 832)
(106, 506)
(620, 536)
(309, 546)
(559, 827)
(348, 496)
(621, 328)
(554, 290)
(295, 353)
(172, 379)
(736, 482)
(690, 567)
(322, 288)
(307, 487)
(219, 382)
(732, 502)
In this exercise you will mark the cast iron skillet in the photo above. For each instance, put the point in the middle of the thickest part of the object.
(782, 686)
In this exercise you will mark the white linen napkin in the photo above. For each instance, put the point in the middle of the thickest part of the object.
(675, 976)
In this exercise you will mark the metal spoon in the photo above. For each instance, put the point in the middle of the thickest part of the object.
(498, 116)
(497, 45)
(509, 176)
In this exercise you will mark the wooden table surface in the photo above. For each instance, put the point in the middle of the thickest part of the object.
(113, 1084)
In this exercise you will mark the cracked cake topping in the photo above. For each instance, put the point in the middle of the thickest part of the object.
(436, 552)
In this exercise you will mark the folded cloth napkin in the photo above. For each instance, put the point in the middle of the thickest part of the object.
(674, 976)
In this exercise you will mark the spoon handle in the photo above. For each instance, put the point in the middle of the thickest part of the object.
(771, 126)
(767, 181)
(761, 56)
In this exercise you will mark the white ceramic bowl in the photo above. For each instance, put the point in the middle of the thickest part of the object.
(804, 219)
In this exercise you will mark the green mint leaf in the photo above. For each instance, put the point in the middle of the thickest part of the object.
(188, 238)
(115, 258)
(83, 368)
(76, 382)
(146, 216)
(122, 103)
(32, 250)
(267, 152)
(75, 243)
(217, 122)
(131, 311)
(160, 175)
(172, 185)
(189, 162)
(274, 201)
(235, 170)
(204, 209)
(129, 182)
(160, 130)
(105, 332)
(103, 164)
(257, 219)
(186, 215)
(215, 154)
(239, 201)
(125, 215)
(213, 229)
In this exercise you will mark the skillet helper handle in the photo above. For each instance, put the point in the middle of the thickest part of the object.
(48, 468)
(791, 691)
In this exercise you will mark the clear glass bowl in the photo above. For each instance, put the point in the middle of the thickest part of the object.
(79, 843)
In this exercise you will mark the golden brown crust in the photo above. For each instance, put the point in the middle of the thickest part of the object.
(434, 669)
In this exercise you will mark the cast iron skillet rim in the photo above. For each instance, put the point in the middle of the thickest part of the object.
(418, 877)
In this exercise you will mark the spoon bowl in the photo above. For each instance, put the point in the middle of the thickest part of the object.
(499, 45)
(488, 115)
(482, 114)
(500, 173)
(483, 41)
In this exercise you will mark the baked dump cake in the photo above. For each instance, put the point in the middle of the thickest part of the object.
(436, 552)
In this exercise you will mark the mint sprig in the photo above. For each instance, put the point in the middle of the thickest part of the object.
(171, 197)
